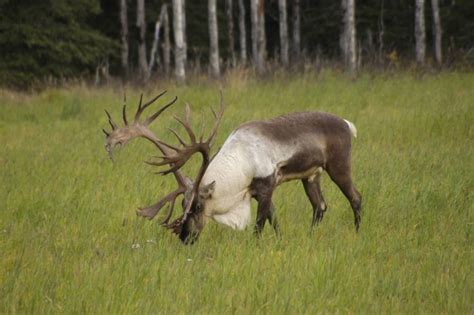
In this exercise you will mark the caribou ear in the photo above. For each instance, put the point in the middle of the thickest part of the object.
(206, 191)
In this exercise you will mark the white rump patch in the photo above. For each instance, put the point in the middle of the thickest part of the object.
(352, 128)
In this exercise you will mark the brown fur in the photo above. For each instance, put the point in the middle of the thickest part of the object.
(323, 141)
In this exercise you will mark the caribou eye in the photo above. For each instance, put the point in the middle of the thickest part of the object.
(198, 207)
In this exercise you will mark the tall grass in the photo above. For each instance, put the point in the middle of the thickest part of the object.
(70, 241)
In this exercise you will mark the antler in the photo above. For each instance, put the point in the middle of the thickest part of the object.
(183, 154)
(139, 128)
(139, 112)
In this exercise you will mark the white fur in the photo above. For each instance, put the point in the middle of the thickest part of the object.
(245, 155)
(238, 217)
(255, 156)
(352, 128)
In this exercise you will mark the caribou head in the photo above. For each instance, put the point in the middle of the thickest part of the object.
(189, 225)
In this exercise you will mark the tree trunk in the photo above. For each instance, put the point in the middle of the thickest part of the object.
(124, 38)
(242, 33)
(142, 63)
(166, 44)
(437, 31)
(179, 49)
(342, 36)
(420, 32)
(349, 36)
(296, 31)
(213, 39)
(156, 40)
(262, 41)
(230, 31)
(185, 36)
(254, 29)
(283, 32)
(381, 33)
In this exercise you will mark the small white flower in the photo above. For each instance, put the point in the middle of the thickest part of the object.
(151, 241)
(135, 246)
(189, 259)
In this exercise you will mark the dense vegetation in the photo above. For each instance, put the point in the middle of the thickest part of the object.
(71, 243)
(50, 40)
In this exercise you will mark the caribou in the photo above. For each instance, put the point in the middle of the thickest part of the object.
(254, 160)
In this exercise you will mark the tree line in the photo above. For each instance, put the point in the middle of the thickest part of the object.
(55, 40)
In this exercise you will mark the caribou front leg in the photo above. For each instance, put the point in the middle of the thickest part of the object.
(262, 191)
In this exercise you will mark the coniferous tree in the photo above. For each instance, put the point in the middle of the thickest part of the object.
(59, 42)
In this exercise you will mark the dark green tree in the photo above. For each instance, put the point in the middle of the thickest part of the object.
(49, 39)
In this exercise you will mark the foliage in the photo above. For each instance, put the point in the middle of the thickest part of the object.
(43, 39)
(54, 39)
(68, 228)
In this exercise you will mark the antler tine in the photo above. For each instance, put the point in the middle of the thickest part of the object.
(172, 169)
(153, 100)
(170, 213)
(186, 125)
(111, 122)
(124, 114)
(141, 107)
(182, 155)
(151, 211)
(124, 108)
(218, 117)
(187, 113)
(105, 132)
(150, 119)
(177, 136)
(168, 145)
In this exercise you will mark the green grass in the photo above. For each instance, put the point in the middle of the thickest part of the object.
(67, 222)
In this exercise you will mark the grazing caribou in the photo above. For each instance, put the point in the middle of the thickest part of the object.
(256, 158)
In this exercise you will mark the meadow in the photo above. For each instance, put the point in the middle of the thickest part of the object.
(70, 241)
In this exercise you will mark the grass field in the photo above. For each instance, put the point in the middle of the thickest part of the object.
(69, 234)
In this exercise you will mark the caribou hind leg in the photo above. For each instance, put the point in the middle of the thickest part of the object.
(272, 219)
(313, 191)
(341, 175)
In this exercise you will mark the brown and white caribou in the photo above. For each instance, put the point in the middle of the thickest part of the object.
(256, 158)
